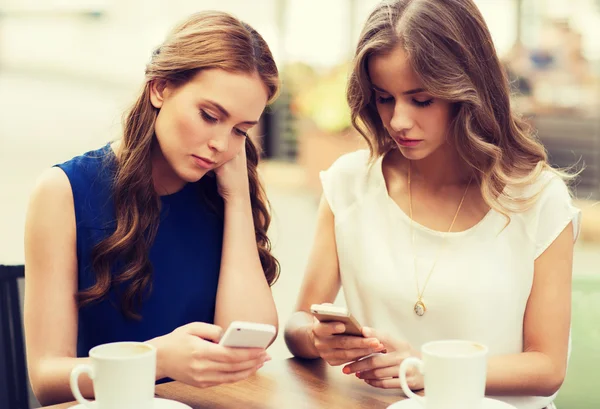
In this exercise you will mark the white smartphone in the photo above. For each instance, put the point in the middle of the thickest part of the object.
(241, 334)
(332, 313)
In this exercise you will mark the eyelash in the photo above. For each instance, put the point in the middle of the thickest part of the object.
(420, 104)
(208, 118)
(212, 120)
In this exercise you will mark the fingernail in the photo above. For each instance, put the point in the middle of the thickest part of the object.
(357, 375)
(268, 358)
(346, 370)
(339, 328)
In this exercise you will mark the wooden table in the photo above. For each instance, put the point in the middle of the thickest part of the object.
(290, 384)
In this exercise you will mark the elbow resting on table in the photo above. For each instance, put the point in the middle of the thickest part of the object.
(545, 384)
(43, 393)
(293, 337)
(552, 383)
(44, 397)
(291, 344)
(49, 378)
(552, 377)
(542, 374)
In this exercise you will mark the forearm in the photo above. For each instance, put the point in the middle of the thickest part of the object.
(50, 380)
(243, 293)
(298, 336)
(525, 374)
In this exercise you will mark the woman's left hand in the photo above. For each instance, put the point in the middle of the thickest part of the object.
(232, 177)
(381, 370)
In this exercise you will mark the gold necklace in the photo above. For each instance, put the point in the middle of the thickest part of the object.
(420, 307)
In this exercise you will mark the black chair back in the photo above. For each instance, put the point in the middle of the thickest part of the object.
(13, 370)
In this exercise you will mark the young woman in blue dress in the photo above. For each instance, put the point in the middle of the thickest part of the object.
(161, 235)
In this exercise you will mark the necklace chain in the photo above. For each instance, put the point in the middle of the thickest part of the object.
(420, 305)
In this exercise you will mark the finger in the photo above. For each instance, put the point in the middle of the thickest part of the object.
(379, 373)
(215, 366)
(326, 329)
(373, 362)
(353, 342)
(369, 332)
(330, 344)
(230, 355)
(203, 330)
(231, 377)
(341, 356)
(393, 383)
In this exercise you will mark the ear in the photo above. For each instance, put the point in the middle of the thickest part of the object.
(158, 93)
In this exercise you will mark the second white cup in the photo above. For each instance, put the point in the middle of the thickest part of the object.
(454, 372)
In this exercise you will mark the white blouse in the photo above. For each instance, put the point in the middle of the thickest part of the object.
(481, 282)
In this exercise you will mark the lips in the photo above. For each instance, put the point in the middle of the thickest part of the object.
(407, 142)
(203, 162)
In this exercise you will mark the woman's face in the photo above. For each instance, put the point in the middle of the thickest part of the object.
(416, 121)
(204, 123)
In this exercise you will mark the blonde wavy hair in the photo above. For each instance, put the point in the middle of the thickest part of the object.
(451, 51)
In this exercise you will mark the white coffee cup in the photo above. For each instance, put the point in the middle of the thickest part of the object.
(123, 374)
(454, 372)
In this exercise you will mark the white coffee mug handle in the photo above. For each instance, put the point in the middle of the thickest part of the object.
(78, 370)
(404, 366)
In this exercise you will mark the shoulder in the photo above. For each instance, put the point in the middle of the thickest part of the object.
(550, 209)
(549, 184)
(544, 189)
(350, 169)
(87, 167)
(348, 179)
(51, 202)
(86, 182)
(52, 185)
(91, 176)
(351, 163)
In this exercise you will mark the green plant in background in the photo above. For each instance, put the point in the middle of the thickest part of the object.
(320, 98)
(581, 387)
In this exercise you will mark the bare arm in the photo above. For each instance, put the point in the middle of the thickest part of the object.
(540, 369)
(321, 285)
(50, 287)
(243, 293)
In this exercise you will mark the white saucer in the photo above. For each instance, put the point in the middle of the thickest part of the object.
(159, 403)
(486, 404)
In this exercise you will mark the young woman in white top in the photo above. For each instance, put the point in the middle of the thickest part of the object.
(453, 225)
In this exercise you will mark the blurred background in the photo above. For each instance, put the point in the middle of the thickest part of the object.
(69, 69)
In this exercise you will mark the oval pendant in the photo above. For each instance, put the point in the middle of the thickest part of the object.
(420, 308)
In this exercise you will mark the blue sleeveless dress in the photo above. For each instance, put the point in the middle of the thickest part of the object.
(185, 256)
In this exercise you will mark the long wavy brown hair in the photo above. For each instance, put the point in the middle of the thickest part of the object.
(451, 51)
(205, 40)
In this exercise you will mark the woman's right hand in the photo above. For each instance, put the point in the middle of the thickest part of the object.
(339, 349)
(191, 354)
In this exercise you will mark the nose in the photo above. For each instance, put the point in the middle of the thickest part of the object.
(401, 121)
(219, 142)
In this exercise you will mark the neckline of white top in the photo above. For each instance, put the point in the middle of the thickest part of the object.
(378, 168)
